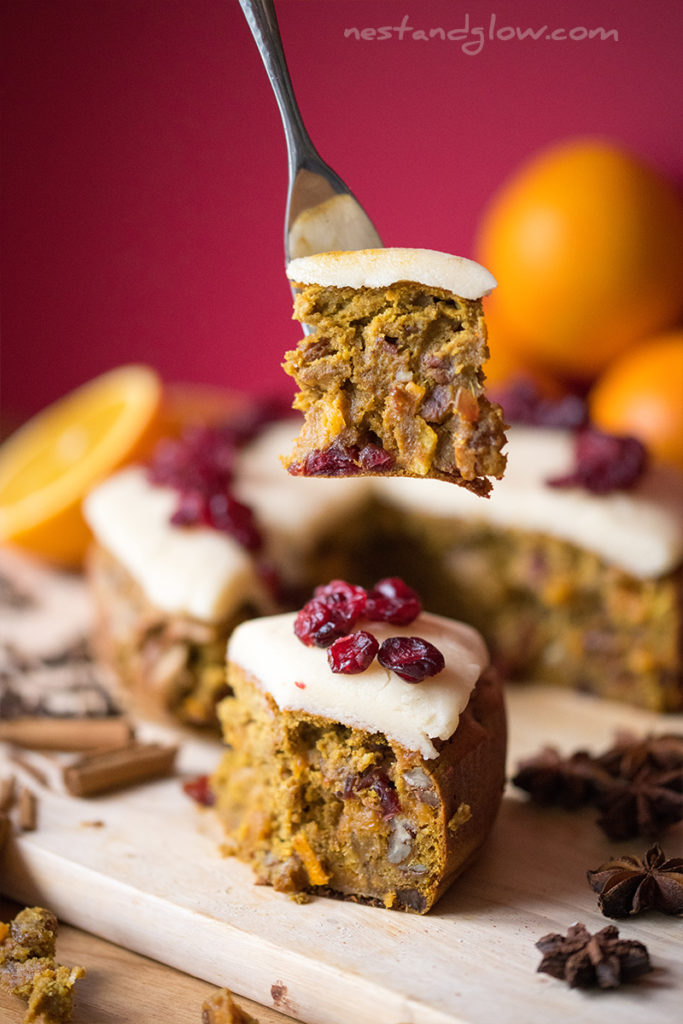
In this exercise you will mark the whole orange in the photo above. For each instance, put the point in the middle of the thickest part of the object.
(586, 242)
(641, 393)
(506, 363)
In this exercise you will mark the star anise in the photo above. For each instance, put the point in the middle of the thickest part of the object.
(629, 754)
(584, 960)
(628, 885)
(642, 793)
(569, 782)
(637, 783)
(643, 806)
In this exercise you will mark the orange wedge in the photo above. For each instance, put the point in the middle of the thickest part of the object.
(49, 465)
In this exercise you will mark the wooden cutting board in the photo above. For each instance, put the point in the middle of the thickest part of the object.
(143, 868)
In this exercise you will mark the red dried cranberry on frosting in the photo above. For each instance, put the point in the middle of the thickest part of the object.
(392, 600)
(332, 612)
(348, 598)
(411, 658)
(318, 624)
(327, 620)
(199, 467)
(353, 653)
(604, 462)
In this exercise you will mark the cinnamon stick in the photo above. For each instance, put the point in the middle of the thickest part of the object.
(27, 810)
(115, 769)
(4, 835)
(8, 787)
(48, 733)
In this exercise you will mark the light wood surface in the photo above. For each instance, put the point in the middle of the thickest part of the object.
(121, 987)
(159, 918)
(143, 869)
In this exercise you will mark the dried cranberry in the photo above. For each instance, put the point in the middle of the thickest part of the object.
(336, 460)
(199, 466)
(438, 403)
(379, 781)
(348, 598)
(190, 510)
(231, 516)
(411, 658)
(201, 460)
(319, 623)
(522, 402)
(374, 457)
(331, 613)
(344, 460)
(200, 791)
(348, 789)
(353, 653)
(392, 600)
(604, 462)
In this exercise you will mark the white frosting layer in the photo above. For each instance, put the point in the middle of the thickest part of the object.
(377, 700)
(205, 574)
(379, 268)
(190, 570)
(638, 530)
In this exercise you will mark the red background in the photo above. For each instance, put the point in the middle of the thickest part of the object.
(145, 166)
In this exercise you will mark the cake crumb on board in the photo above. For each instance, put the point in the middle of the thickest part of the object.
(221, 1008)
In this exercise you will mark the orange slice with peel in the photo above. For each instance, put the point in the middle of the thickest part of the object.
(49, 465)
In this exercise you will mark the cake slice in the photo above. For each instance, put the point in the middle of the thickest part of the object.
(166, 596)
(364, 785)
(390, 378)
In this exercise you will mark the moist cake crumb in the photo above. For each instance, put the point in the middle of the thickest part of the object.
(391, 383)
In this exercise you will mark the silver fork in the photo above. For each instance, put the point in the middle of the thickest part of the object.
(322, 214)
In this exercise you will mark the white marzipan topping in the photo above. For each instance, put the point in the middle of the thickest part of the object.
(377, 700)
(190, 570)
(201, 572)
(638, 530)
(380, 268)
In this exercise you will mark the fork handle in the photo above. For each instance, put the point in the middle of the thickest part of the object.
(262, 21)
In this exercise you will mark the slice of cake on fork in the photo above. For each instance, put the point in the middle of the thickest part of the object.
(391, 379)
